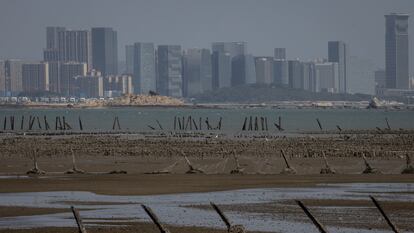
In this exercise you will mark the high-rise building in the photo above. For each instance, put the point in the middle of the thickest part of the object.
(54, 76)
(13, 73)
(67, 72)
(264, 70)
(221, 66)
(280, 53)
(51, 52)
(281, 72)
(295, 74)
(117, 85)
(236, 51)
(169, 80)
(144, 78)
(2, 78)
(52, 39)
(337, 52)
(75, 46)
(327, 76)
(309, 76)
(105, 50)
(129, 59)
(197, 72)
(243, 70)
(35, 77)
(89, 85)
(396, 51)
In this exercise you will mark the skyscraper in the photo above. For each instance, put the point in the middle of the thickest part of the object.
(13, 73)
(51, 52)
(35, 77)
(337, 52)
(236, 51)
(281, 72)
(75, 46)
(169, 80)
(308, 76)
(89, 85)
(105, 50)
(197, 72)
(327, 75)
(264, 70)
(2, 79)
(280, 53)
(67, 72)
(396, 51)
(221, 66)
(144, 78)
(129, 58)
(295, 74)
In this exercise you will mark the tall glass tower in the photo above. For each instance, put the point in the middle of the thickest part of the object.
(396, 51)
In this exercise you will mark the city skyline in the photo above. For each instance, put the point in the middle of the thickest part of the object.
(364, 34)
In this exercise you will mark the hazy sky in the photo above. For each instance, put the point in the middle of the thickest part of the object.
(302, 26)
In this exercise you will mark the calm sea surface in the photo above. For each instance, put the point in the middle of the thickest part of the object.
(145, 118)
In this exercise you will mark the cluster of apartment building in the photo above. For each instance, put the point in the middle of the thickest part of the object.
(84, 63)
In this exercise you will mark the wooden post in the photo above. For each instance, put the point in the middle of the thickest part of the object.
(58, 124)
(262, 123)
(191, 168)
(368, 168)
(80, 124)
(219, 124)
(154, 219)
(113, 124)
(284, 158)
(5, 123)
(280, 122)
(244, 124)
(288, 169)
(279, 126)
(12, 122)
(230, 228)
(47, 127)
(179, 123)
(208, 124)
(199, 123)
(159, 125)
(390, 223)
(66, 125)
(22, 123)
(31, 122)
(38, 122)
(175, 122)
(339, 128)
(256, 124)
(388, 124)
(319, 123)
(221, 214)
(267, 129)
(315, 221)
(250, 123)
(78, 219)
(195, 124)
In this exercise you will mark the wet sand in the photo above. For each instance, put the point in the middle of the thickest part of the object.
(260, 159)
(136, 227)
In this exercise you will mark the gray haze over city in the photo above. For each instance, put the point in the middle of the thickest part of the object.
(303, 27)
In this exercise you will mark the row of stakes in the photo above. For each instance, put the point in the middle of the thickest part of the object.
(251, 123)
(327, 169)
(233, 228)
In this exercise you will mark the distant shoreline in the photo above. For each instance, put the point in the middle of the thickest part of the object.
(279, 105)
